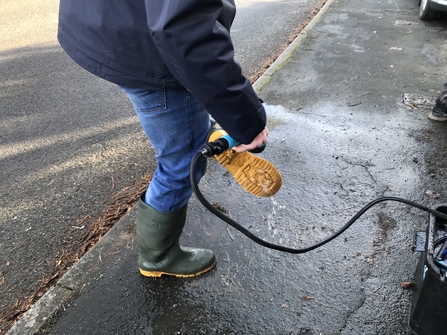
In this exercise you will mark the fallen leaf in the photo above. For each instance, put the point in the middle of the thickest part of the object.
(432, 194)
(306, 297)
(406, 284)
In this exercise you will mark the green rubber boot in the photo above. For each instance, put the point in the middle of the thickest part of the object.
(158, 236)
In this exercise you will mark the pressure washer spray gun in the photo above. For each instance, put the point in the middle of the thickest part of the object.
(255, 174)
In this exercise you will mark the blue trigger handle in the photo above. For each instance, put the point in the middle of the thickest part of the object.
(231, 141)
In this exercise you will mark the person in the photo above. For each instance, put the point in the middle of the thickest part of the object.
(175, 61)
(439, 112)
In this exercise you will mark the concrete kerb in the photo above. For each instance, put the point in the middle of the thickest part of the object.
(290, 50)
(76, 278)
(71, 282)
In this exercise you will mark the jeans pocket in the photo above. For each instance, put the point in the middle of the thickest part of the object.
(146, 101)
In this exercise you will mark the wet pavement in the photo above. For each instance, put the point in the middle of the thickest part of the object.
(71, 147)
(341, 135)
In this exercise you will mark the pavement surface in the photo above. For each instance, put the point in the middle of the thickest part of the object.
(347, 111)
(72, 151)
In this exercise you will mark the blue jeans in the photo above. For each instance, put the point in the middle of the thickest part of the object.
(177, 126)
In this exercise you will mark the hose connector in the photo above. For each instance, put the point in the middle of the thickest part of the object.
(222, 143)
(215, 148)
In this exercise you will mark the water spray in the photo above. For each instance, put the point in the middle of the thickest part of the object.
(429, 304)
(224, 143)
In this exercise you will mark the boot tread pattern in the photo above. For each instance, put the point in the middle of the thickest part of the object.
(256, 175)
(181, 275)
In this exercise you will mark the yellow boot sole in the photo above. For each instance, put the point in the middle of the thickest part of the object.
(256, 175)
(160, 273)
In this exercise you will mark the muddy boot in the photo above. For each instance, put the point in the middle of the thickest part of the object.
(158, 236)
(255, 174)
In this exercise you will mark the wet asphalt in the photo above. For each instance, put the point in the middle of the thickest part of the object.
(341, 134)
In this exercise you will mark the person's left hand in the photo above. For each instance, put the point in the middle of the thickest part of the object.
(259, 140)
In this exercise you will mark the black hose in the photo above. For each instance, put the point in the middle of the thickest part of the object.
(266, 244)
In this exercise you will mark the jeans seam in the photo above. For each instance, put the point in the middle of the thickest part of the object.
(188, 97)
(164, 104)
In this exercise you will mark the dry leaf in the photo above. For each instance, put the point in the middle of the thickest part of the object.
(406, 284)
(432, 194)
(306, 297)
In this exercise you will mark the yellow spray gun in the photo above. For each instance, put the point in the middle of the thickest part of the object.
(255, 174)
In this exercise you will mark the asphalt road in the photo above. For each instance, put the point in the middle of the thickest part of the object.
(69, 142)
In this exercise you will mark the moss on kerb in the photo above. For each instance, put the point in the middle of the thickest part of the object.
(261, 82)
(279, 63)
(292, 51)
(265, 78)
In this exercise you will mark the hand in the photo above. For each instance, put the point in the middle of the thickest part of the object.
(259, 140)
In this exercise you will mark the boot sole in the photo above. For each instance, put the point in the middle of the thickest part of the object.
(256, 175)
(181, 275)
(437, 118)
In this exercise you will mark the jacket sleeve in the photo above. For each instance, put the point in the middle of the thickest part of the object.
(193, 38)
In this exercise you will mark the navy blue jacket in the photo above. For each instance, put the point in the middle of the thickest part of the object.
(165, 44)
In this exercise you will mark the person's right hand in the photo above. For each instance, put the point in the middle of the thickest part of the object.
(258, 141)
